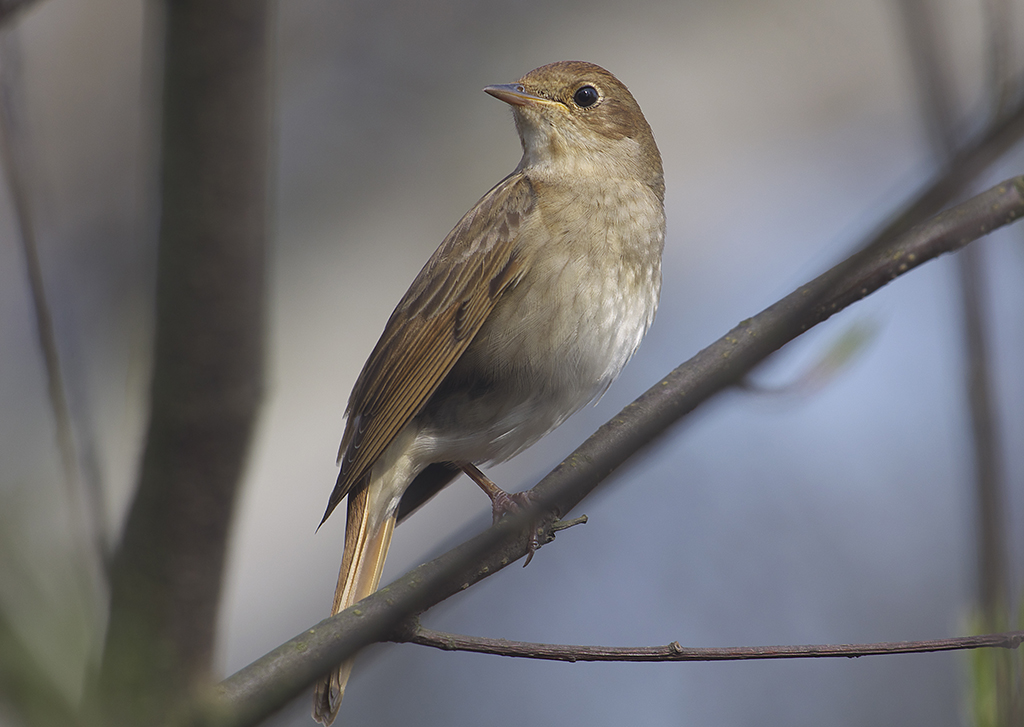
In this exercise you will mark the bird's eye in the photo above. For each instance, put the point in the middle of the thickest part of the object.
(585, 96)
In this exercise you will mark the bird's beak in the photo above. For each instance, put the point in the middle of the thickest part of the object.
(515, 95)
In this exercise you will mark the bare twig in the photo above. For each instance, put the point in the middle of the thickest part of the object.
(674, 652)
(255, 691)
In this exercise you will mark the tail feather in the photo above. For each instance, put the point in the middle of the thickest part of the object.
(366, 547)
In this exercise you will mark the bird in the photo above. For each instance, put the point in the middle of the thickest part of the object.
(528, 310)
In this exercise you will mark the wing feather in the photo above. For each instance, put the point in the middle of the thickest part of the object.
(432, 326)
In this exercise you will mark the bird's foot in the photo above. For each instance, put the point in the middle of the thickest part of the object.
(509, 503)
(506, 503)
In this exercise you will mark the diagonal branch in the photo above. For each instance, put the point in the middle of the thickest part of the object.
(674, 652)
(266, 684)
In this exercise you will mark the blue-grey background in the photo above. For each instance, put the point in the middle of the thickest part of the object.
(789, 130)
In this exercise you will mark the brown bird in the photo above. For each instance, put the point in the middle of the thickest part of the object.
(527, 311)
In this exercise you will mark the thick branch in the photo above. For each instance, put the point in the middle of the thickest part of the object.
(675, 652)
(208, 370)
(269, 682)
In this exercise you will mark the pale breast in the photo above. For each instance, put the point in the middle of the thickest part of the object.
(560, 337)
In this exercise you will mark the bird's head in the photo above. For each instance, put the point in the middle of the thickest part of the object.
(577, 118)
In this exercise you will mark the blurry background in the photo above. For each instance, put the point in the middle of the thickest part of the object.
(789, 130)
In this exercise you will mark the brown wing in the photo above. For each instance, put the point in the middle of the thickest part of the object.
(433, 324)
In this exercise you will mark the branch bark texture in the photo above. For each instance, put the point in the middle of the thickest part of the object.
(676, 652)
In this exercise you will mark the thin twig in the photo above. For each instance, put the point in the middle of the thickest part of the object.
(675, 652)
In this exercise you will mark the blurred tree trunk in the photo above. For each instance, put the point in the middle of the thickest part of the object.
(208, 359)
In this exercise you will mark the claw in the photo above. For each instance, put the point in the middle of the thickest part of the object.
(504, 503)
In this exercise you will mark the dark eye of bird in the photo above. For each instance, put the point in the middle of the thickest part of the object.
(585, 96)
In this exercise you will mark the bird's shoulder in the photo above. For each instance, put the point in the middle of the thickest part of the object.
(476, 249)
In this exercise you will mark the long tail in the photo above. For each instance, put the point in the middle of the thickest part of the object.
(361, 566)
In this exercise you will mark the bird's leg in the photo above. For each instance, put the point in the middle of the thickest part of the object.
(504, 503)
